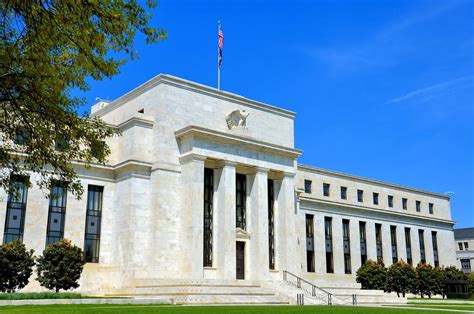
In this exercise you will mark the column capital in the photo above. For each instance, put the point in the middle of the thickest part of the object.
(184, 159)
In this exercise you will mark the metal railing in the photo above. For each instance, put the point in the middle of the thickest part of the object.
(307, 286)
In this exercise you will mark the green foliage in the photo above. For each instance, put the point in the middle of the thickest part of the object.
(471, 284)
(372, 275)
(15, 266)
(39, 296)
(60, 266)
(401, 278)
(440, 287)
(47, 49)
(426, 280)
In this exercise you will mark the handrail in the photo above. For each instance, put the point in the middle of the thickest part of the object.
(313, 286)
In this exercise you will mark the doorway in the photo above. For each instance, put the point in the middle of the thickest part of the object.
(240, 260)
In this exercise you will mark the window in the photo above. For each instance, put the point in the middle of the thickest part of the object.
(390, 201)
(271, 224)
(360, 195)
(434, 239)
(363, 243)
(421, 237)
(466, 265)
(208, 216)
(393, 236)
(404, 203)
(346, 242)
(378, 241)
(93, 223)
(241, 200)
(97, 149)
(16, 208)
(466, 246)
(431, 208)
(307, 186)
(328, 237)
(418, 206)
(408, 245)
(460, 246)
(56, 213)
(22, 136)
(309, 243)
(141, 111)
(326, 189)
(343, 192)
(376, 198)
(61, 144)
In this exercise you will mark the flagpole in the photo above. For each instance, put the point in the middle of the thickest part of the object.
(218, 67)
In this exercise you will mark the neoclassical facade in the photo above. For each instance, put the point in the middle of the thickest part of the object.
(205, 185)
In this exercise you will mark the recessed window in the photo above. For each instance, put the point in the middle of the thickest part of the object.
(307, 186)
(376, 198)
(466, 265)
(390, 201)
(141, 111)
(418, 206)
(460, 246)
(431, 208)
(22, 136)
(360, 196)
(466, 245)
(343, 192)
(326, 189)
(404, 203)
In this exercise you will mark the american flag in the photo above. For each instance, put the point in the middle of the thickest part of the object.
(220, 44)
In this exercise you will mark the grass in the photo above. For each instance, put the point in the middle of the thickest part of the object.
(208, 310)
(465, 307)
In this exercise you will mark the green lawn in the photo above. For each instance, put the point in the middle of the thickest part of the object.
(448, 306)
(206, 310)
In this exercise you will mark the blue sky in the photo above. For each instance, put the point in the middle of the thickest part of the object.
(382, 89)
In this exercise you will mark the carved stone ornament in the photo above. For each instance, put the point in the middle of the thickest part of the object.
(237, 119)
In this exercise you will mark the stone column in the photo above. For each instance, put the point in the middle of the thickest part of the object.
(355, 244)
(371, 244)
(192, 214)
(386, 244)
(401, 243)
(319, 244)
(224, 211)
(429, 247)
(337, 245)
(415, 246)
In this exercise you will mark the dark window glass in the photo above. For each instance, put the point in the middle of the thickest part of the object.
(408, 245)
(460, 246)
(208, 215)
(466, 245)
(326, 187)
(328, 238)
(431, 208)
(346, 242)
(418, 206)
(434, 239)
(466, 265)
(241, 200)
(309, 243)
(360, 195)
(56, 213)
(390, 201)
(307, 186)
(93, 223)
(61, 144)
(376, 198)
(16, 208)
(421, 237)
(378, 241)
(343, 192)
(393, 236)
(404, 203)
(22, 136)
(271, 224)
(363, 243)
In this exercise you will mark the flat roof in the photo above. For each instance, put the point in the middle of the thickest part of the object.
(464, 233)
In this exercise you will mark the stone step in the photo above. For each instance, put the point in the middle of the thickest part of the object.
(200, 289)
(194, 282)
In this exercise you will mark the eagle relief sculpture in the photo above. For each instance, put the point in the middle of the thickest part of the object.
(237, 119)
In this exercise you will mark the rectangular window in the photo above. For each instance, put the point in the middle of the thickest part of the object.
(408, 246)
(460, 246)
(360, 196)
(208, 216)
(404, 203)
(16, 208)
(390, 201)
(418, 206)
(241, 200)
(376, 198)
(56, 213)
(307, 186)
(328, 239)
(434, 239)
(343, 192)
(466, 246)
(271, 224)
(22, 136)
(363, 243)
(431, 208)
(393, 236)
(326, 187)
(421, 237)
(378, 241)
(346, 242)
(466, 265)
(309, 243)
(93, 223)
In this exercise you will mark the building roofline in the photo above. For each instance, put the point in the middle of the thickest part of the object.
(371, 181)
(195, 87)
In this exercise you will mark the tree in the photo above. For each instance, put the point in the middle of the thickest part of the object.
(48, 48)
(60, 266)
(15, 266)
(401, 278)
(471, 284)
(440, 280)
(372, 275)
(425, 280)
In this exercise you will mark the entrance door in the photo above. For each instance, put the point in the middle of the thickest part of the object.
(240, 260)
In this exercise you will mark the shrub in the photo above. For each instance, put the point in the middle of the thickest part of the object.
(60, 266)
(426, 281)
(372, 275)
(471, 284)
(440, 281)
(15, 266)
(401, 278)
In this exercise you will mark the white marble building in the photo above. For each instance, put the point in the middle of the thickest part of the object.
(205, 184)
